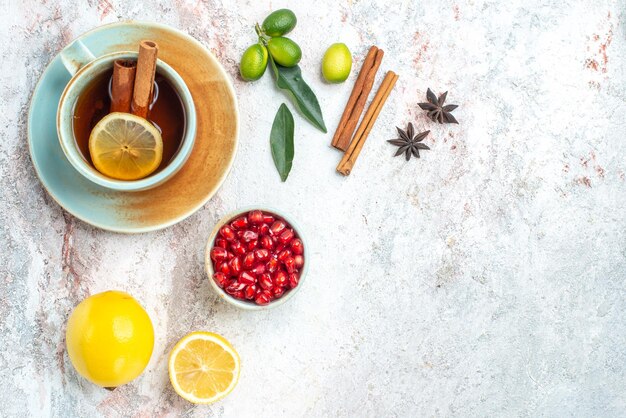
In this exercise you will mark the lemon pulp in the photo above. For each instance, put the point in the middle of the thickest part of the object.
(125, 147)
(203, 367)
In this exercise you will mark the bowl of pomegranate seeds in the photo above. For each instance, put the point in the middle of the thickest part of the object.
(256, 258)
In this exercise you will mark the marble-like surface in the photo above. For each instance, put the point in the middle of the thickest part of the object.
(485, 279)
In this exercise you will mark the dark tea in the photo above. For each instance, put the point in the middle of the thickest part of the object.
(167, 114)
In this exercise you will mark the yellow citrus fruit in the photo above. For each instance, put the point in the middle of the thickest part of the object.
(109, 338)
(337, 63)
(125, 147)
(203, 367)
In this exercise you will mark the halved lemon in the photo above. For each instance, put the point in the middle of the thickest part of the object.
(203, 367)
(125, 147)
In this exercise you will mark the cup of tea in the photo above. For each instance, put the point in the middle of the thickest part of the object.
(87, 98)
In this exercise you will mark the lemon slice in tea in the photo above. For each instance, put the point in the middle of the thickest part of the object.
(203, 367)
(125, 147)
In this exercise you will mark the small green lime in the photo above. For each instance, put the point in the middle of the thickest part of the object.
(253, 62)
(279, 22)
(284, 51)
(337, 63)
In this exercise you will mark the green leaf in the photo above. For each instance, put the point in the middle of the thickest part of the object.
(281, 141)
(290, 79)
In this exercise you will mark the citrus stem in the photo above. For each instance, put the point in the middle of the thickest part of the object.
(263, 38)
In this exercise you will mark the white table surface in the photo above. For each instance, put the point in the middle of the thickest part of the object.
(485, 279)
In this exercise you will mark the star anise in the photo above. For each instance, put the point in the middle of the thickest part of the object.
(409, 143)
(436, 110)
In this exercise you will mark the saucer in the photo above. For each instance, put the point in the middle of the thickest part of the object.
(196, 182)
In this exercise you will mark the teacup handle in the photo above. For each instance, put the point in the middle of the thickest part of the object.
(75, 56)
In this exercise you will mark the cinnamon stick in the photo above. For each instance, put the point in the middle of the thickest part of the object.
(144, 80)
(356, 92)
(357, 100)
(349, 159)
(122, 85)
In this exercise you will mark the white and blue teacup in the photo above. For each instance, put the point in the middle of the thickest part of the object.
(85, 68)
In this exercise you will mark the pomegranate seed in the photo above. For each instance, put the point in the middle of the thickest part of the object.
(258, 269)
(293, 280)
(265, 281)
(227, 232)
(248, 261)
(267, 242)
(240, 223)
(280, 278)
(272, 265)
(250, 291)
(297, 247)
(220, 278)
(218, 254)
(249, 236)
(261, 254)
(286, 236)
(255, 217)
(277, 227)
(235, 266)
(283, 255)
(246, 278)
(290, 265)
(278, 292)
(238, 248)
(257, 257)
(263, 298)
(223, 267)
(235, 286)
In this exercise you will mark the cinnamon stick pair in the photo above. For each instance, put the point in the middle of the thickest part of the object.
(132, 84)
(354, 107)
(358, 97)
(349, 158)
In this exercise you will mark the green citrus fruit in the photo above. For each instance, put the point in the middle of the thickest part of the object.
(279, 22)
(284, 51)
(337, 63)
(253, 62)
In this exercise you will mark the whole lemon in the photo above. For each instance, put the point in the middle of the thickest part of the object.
(279, 22)
(284, 51)
(109, 338)
(253, 62)
(337, 63)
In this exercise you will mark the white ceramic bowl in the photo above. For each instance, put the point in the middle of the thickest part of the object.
(244, 304)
